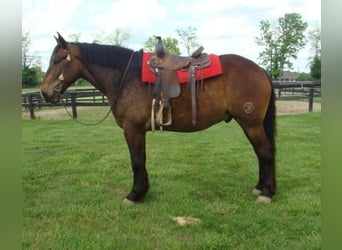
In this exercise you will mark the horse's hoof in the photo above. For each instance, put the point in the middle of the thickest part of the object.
(128, 202)
(264, 199)
(256, 192)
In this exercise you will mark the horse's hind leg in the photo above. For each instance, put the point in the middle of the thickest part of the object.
(266, 186)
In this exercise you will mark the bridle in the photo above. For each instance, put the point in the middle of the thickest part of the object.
(58, 87)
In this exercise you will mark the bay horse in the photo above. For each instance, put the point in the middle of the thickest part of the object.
(242, 92)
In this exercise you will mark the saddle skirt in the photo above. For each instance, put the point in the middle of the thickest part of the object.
(214, 69)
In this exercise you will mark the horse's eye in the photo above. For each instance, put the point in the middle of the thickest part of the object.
(57, 60)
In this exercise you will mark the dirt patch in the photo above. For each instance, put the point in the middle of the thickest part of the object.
(283, 107)
(295, 107)
(183, 221)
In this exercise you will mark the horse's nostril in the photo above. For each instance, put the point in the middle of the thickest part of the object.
(43, 95)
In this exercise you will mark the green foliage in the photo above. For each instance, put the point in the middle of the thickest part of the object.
(170, 45)
(150, 44)
(73, 187)
(188, 38)
(304, 77)
(31, 76)
(28, 58)
(74, 37)
(25, 47)
(31, 72)
(315, 41)
(281, 42)
(315, 69)
(82, 82)
(117, 37)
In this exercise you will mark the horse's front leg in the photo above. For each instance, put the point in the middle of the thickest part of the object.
(135, 139)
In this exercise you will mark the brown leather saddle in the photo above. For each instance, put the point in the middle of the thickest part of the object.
(167, 86)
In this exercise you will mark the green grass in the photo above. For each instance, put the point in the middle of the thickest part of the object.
(75, 177)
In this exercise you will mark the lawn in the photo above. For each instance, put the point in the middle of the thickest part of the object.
(75, 177)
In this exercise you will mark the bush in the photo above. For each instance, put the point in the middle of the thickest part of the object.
(31, 77)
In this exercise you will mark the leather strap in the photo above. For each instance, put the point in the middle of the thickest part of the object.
(192, 82)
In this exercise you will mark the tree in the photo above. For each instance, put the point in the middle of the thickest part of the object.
(282, 41)
(188, 38)
(74, 37)
(315, 68)
(315, 42)
(170, 45)
(25, 46)
(269, 57)
(28, 58)
(31, 72)
(31, 76)
(117, 37)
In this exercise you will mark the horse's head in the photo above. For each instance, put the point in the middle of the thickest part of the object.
(65, 68)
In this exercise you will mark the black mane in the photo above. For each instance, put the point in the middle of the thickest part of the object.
(105, 55)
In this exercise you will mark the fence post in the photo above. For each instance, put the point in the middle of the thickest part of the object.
(311, 96)
(73, 105)
(31, 107)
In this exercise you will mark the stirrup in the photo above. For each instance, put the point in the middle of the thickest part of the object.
(158, 118)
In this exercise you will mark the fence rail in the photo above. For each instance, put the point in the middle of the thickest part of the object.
(93, 97)
(301, 88)
(73, 98)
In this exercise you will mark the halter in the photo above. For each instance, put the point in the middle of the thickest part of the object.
(60, 79)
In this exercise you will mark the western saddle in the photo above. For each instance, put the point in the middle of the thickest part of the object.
(167, 86)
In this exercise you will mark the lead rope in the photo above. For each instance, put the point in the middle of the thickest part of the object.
(85, 123)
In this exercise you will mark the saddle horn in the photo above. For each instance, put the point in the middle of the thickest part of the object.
(159, 47)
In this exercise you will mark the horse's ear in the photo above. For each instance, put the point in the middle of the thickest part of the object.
(61, 41)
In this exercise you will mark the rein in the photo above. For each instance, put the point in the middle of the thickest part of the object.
(58, 88)
(122, 80)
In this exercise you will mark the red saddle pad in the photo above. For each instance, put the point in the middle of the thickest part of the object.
(214, 69)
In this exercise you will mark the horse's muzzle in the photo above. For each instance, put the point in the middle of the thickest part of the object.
(52, 96)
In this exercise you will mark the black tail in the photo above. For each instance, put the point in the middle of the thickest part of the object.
(270, 118)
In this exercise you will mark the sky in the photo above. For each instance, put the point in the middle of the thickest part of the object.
(223, 26)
